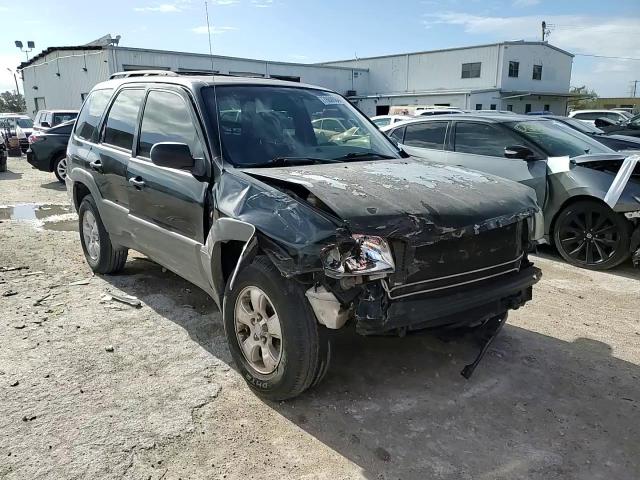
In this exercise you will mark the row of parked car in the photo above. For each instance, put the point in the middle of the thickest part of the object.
(298, 216)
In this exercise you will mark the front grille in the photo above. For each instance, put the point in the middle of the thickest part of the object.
(462, 262)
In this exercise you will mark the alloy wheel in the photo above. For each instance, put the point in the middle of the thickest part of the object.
(258, 330)
(61, 168)
(589, 237)
(91, 235)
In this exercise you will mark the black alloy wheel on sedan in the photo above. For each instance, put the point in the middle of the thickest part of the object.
(589, 234)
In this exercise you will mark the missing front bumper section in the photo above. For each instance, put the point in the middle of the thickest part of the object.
(376, 313)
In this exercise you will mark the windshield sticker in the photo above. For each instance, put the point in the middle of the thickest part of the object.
(558, 164)
(330, 100)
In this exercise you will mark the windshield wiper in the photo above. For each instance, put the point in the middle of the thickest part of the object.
(290, 161)
(354, 155)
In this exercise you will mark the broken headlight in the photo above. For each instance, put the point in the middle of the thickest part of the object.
(366, 255)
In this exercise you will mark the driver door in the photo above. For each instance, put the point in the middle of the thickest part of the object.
(480, 146)
(167, 205)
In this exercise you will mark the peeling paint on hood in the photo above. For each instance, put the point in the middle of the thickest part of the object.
(405, 198)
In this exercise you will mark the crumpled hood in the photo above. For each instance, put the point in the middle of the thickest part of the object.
(410, 199)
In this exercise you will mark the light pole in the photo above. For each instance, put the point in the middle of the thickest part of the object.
(30, 46)
(15, 79)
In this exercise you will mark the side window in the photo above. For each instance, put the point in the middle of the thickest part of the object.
(587, 116)
(382, 122)
(426, 135)
(483, 139)
(91, 112)
(398, 134)
(122, 118)
(167, 118)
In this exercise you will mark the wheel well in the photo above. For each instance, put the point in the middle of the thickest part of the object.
(80, 190)
(56, 156)
(230, 252)
(571, 201)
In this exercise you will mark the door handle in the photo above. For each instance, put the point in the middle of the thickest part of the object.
(96, 165)
(137, 182)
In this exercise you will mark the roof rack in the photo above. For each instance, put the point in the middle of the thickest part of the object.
(143, 73)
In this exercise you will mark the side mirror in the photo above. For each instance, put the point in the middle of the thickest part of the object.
(172, 155)
(45, 125)
(519, 152)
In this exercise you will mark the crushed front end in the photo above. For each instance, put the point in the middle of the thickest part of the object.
(466, 278)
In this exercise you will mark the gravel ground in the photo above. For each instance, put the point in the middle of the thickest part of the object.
(93, 388)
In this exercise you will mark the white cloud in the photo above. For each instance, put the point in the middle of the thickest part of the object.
(224, 3)
(525, 3)
(578, 34)
(214, 30)
(262, 3)
(298, 57)
(173, 7)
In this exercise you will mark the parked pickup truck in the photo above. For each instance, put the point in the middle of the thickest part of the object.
(294, 232)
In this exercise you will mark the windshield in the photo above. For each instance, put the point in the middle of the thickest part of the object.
(625, 113)
(260, 124)
(557, 139)
(581, 126)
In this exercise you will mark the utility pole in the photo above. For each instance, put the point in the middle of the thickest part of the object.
(544, 28)
(635, 86)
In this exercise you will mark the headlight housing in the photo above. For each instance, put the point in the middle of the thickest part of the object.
(367, 255)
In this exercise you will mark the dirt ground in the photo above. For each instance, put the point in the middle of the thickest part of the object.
(92, 388)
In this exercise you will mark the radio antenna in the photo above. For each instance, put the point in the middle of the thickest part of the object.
(213, 83)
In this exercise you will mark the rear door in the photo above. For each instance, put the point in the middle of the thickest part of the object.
(426, 140)
(116, 145)
(481, 146)
(167, 205)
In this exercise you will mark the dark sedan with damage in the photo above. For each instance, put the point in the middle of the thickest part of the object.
(293, 230)
(48, 149)
(590, 194)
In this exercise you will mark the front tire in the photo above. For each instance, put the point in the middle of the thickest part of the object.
(273, 335)
(591, 235)
(100, 253)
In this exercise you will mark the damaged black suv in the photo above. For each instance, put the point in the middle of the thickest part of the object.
(294, 230)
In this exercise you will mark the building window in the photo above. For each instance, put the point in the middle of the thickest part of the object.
(493, 106)
(527, 108)
(547, 107)
(471, 70)
(478, 106)
(537, 72)
(509, 108)
(513, 69)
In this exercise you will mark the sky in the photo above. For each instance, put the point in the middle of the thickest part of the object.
(315, 31)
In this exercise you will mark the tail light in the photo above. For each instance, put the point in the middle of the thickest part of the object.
(33, 138)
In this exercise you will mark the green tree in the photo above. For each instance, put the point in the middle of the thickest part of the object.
(585, 98)
(12, 102)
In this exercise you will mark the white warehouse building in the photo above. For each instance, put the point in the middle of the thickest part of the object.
(519, 76)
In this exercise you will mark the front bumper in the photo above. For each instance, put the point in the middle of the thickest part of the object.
(377, 313)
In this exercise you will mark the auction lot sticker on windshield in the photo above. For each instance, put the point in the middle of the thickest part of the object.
(330, 100)
(558, 164)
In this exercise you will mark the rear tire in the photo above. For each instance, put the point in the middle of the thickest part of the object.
(99, 252)
(300, 358)
(60, 168)
(591, 235)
